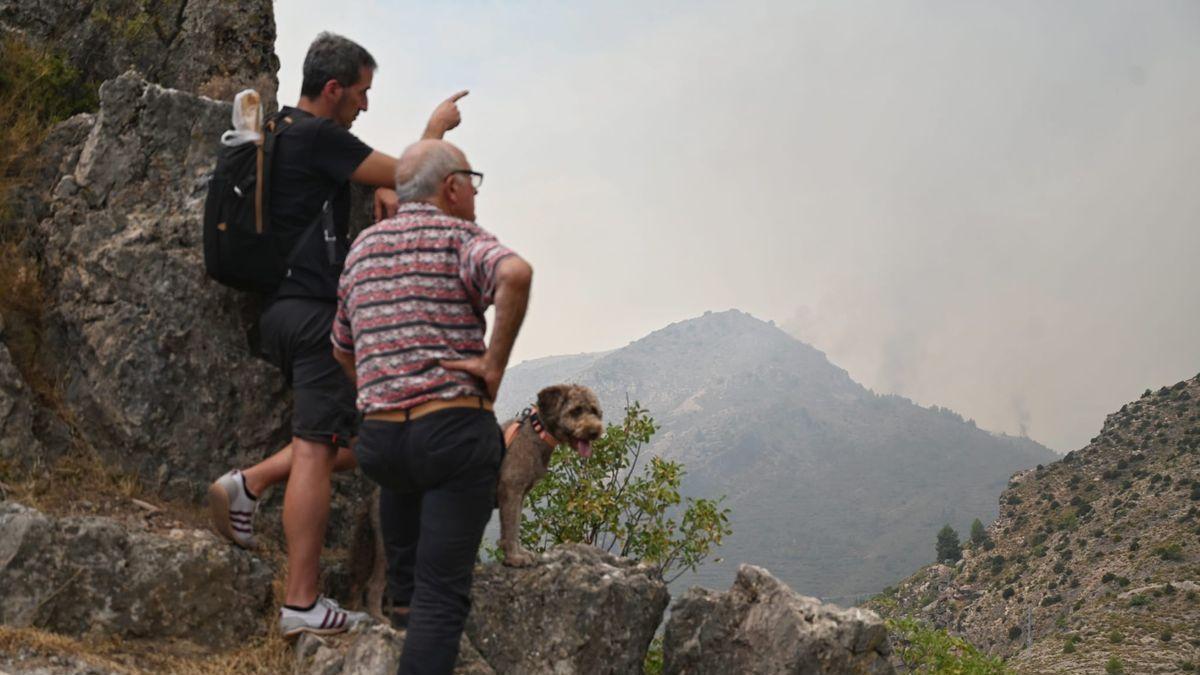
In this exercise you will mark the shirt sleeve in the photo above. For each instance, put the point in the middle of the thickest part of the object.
(337, 152)
(478, 259)
(341, 335)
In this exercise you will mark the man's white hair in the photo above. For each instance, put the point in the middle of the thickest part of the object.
(420, 171)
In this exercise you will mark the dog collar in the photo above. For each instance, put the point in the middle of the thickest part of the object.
(530, 415)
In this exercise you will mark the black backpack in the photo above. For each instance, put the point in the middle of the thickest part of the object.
(241, 249)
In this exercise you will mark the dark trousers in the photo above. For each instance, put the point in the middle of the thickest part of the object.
(439, 475)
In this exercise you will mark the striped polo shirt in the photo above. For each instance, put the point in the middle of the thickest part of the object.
(413, 293)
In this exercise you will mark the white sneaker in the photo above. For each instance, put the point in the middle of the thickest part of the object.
(325, 618)
(233, 509)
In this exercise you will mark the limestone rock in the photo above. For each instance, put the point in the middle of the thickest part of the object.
(154, 357)
(762, 626)
(16, 409)
(97, 576)
(578, 610)
(209, 47)
(369, 650)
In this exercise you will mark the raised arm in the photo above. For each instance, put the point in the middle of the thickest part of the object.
(378, 170)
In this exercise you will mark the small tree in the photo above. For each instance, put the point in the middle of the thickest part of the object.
(948, 548)
(605, 501)
(978, 534)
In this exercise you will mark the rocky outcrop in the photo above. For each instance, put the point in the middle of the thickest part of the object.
(370, 650)
(761, 626)
(209, 47)
(154, 358)
(1094, 558)
(578, 610)
(97, 576)
(16, 410)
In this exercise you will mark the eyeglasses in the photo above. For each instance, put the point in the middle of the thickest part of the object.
(476, 177)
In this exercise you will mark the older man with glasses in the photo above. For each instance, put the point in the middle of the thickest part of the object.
(410, 331)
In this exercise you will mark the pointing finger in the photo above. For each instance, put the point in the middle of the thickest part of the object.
(454, 98)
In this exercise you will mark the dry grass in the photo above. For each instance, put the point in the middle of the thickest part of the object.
(264, 655)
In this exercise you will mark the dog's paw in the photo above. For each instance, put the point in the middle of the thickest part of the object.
(518, 558)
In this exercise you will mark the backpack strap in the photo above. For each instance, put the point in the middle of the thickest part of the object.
(272, 127)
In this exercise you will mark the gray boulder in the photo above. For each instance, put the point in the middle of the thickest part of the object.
(367, 651)
(762, 626)
(209, 47)
(155, 360)
(578, 610)
(101, 577)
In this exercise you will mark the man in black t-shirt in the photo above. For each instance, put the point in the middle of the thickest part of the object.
(316, 158)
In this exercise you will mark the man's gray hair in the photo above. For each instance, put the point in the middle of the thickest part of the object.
(418, 174)
(333, 57)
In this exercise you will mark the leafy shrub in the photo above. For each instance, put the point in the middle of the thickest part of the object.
(1007, 593)
(1166, 635)
(605, 502)
(1051, 600)
(1172, 552)
(1114, 666)
(1122, 581)
(1108, 576)
(931, 651)
(1139, 600)
(1014, 632)
(1116, 637)
(1069, 645)
(653, 663)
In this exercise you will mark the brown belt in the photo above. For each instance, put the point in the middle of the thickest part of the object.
(424, 409)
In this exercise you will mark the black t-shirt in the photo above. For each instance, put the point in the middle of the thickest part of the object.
(314, 158)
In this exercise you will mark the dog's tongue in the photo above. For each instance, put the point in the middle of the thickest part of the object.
(584, 448)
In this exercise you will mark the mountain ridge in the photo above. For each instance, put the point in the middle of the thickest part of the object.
(786, 435)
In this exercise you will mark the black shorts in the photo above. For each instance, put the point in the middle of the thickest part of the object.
(295, 337)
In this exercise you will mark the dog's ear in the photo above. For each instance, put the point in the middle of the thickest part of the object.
(551, 398)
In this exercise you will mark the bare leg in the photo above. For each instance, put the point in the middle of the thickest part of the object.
(305, 515)
(275, 469)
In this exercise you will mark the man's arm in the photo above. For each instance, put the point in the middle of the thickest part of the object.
(378, 170)
(346, 360)
(514, 276)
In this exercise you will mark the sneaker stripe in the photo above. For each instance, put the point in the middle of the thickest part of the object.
(326, 619)
(340, 620)
(241, 519)
(242, 529)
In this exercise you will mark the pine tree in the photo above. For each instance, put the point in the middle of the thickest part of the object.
(978, 534)
(947, 545)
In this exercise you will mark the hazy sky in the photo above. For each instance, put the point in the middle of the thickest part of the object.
(990, 206)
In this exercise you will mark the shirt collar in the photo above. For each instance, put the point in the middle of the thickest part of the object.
(417, 207)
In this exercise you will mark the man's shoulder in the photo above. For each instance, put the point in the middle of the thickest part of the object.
(417, 215)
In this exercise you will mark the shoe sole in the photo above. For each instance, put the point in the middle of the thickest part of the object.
(218, 503)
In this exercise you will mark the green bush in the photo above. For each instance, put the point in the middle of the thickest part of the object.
(932, 651)
(1116, 637)
(1114, 667)
(1139, 600)
(653, 663)
(606, 502)
(1172, 552)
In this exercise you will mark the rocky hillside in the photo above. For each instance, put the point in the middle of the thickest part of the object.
(1094, 558)
(837, 490)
